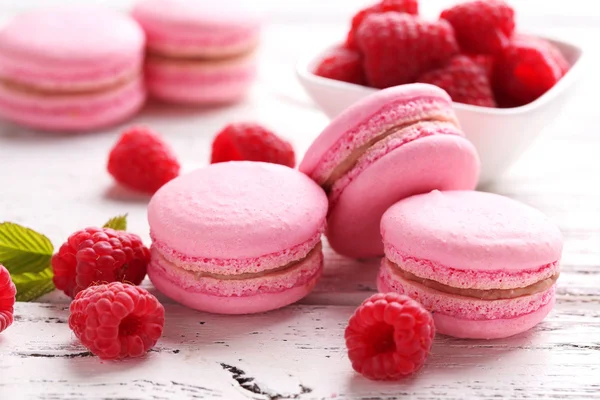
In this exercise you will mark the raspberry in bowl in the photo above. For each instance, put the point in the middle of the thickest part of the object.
(506, 86)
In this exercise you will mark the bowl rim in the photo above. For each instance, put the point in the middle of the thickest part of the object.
(305, 67)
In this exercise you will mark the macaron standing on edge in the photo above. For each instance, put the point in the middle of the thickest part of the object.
(237, 237)
(71, 68)
(395, 143)
(485, 265)
(199, 52)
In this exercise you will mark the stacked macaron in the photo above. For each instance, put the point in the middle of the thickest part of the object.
(397, 179)
(80, 68)
(71, 69)
(400, 175)
(199, 52)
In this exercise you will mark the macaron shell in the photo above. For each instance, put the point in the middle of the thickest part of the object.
(69, 47)
(470, 230)
(199, 28)
(200, 82)
(237, 210)
(371, 117)
(254, 300)
(445, 162)
(73, 113)
(492, 329)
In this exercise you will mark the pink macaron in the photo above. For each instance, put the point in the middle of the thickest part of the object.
(199, 52)
(484, 264)
(393, 144)
(237, 237)
(71, 69)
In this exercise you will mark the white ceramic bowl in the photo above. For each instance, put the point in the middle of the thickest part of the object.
(500, 135)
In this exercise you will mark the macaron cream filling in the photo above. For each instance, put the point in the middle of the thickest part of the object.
(481, 294)
(379, 149)
(80, 90)
(238, 266)
(199, 273)
(462, 307)
(90, 109)
(344, 153)
(402, 131)
(299, 273)
(196, 50)
(504, 278)
(246, 53)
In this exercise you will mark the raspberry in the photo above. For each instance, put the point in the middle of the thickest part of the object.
(342, 65)
(142, 161)
(481, 26)
(504, 101)
(389, 336)
(251, 142)
(117, 320)
(7, 298)
(399, 47)
(404, 6)
(527, 69)
(99, 255)
(464, 80)
(486, 62)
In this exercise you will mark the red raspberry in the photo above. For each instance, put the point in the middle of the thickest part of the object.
(342, 65)
(504, 101)
(251, 142)
(481, 26)
(99, 255)
(117, 320)
(464, 80)
(7, 298)
(553, 52)
(142, 161)
(527, 69)
(399, 47)
(389, 336)
(486, 62)
(403, 6)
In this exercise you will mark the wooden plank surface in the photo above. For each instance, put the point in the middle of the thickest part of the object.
(57, 184)
(297, 352)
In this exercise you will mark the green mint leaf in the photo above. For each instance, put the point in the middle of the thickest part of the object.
(23, 250)
(30, 285)
(118, 223)
(27, 255)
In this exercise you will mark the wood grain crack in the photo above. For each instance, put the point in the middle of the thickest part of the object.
(248, 383)
(592, 346)
(42, 355)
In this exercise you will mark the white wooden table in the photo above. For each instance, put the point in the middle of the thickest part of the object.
(58, 184)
